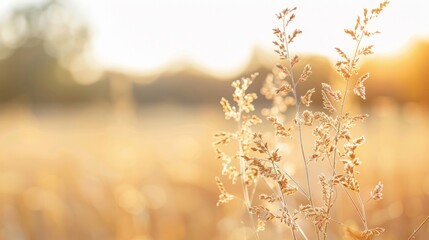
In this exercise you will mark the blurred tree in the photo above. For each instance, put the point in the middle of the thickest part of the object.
(39, 44)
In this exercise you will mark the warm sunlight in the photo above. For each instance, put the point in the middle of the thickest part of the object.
(212, 34)
(214, 119)
(147, 35)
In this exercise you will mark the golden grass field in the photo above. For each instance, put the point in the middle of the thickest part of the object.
(88, 174)
(106, 129)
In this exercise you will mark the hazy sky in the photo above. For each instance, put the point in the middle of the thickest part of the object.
(218, 35)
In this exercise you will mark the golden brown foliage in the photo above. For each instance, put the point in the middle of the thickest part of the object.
(260, 159)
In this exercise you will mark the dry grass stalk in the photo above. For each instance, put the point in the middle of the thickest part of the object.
(258, 159)
(224, 196)
(412, 236)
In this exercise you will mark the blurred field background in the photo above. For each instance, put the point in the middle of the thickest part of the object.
(93, 151)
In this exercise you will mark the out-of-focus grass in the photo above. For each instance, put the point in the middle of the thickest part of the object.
(90, 174)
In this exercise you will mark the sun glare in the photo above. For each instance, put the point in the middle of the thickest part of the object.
(146, 36)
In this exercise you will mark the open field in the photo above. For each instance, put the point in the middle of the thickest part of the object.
(109, 110)
(89, 174)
